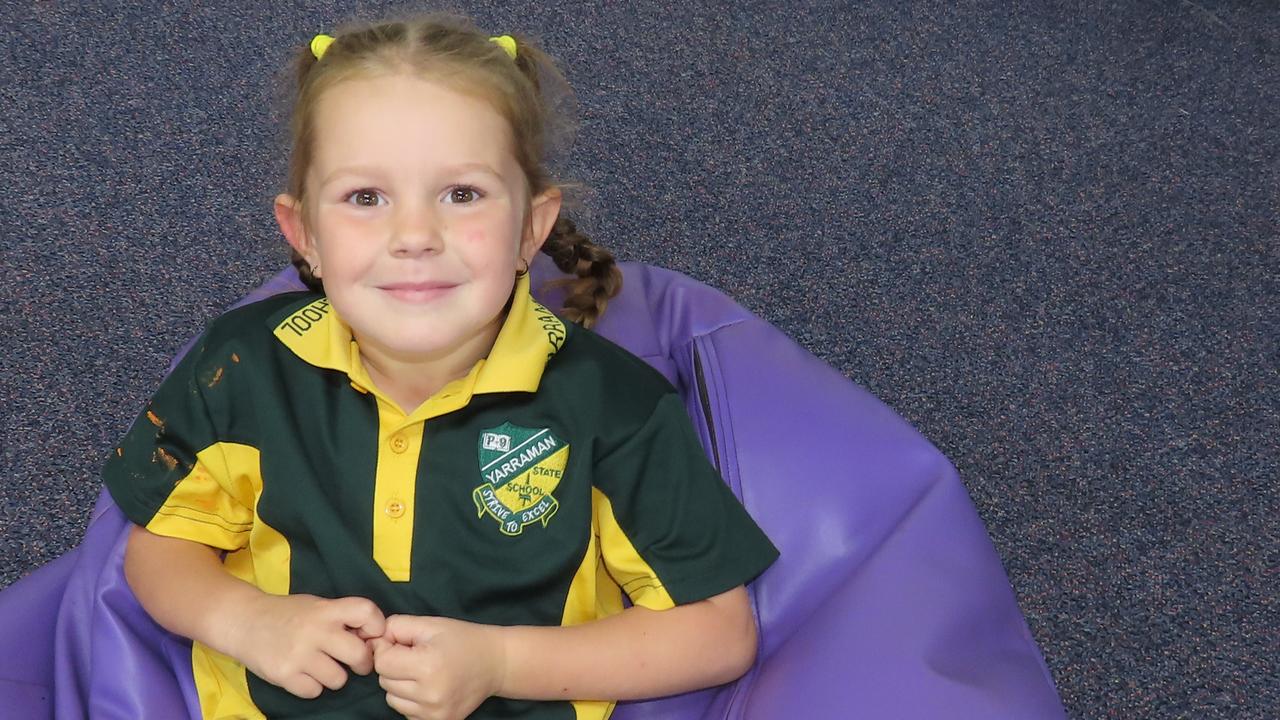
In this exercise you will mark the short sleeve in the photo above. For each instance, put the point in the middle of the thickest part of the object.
(671, 531)
(173, 475)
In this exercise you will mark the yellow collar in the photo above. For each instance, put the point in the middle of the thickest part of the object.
(530, 335)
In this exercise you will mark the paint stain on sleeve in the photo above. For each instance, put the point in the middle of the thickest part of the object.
(235, 358)
(161, 455)
(217, 378)
(119, 452)
(155, 420)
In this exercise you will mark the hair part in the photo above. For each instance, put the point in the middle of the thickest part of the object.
(449, 50)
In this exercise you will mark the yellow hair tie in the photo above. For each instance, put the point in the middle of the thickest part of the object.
(319, 44)
(506, 42)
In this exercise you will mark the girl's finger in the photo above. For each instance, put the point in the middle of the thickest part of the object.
(400, 688)
(303, 686)
(405, 707)
(378, 644)
(412, 629)
(327, 671)
(399, 662)
(362, 616)
(349, 650)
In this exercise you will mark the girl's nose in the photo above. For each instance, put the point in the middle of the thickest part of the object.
(415, 229)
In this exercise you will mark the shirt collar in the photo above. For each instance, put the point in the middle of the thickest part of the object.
(530, 335)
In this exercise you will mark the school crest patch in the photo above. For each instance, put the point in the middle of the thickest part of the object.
(520, 468)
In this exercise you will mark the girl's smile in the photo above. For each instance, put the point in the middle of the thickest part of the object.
(417, 292)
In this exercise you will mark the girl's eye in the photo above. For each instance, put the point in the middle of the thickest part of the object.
(463, 195)
(365, 198)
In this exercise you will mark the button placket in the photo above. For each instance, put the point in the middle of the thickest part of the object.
(394, 491)
(399, 443)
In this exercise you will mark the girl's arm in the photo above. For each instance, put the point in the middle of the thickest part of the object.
(436, 667)
(638, 653)
(294, 641)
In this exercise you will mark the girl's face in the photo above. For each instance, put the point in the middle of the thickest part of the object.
(417, 216)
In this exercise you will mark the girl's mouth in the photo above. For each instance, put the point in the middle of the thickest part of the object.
(417, 292)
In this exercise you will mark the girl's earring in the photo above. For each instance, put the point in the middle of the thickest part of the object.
(315, 271)
(524, 271)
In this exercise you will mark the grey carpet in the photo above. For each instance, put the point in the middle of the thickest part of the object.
(1045, 233)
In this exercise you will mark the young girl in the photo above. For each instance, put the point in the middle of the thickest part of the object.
(421, 492)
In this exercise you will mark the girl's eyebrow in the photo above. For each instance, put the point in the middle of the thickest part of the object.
(374, 171)
(472, 167)
(361, 170)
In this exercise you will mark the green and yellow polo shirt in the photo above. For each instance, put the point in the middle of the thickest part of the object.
(559, 473)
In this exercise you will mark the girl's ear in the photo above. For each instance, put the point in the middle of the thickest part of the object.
(289, 216)
(543, 211)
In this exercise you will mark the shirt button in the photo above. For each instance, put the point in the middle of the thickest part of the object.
(399, 444)
(395, 509)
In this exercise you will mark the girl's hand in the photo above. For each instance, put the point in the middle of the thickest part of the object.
(302, 642)
(436, 668)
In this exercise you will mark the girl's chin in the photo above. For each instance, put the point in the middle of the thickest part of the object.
(424, 340)
(412, 350)
(400, 350)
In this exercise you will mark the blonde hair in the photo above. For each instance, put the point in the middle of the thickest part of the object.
(451, 51)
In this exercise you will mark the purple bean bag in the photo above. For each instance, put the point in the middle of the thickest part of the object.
(888, 601)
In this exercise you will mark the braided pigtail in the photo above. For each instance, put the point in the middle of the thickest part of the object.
(597, 280)
(304, 272)
(595, 277)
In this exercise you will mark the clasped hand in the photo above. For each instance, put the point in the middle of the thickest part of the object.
(431, 668)
(437, 669)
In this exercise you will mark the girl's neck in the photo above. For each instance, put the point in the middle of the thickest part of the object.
(409, 382)
(406, 388)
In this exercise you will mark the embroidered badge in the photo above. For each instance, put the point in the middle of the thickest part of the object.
(520, 467)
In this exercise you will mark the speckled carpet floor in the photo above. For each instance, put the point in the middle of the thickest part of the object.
(1046, 233)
